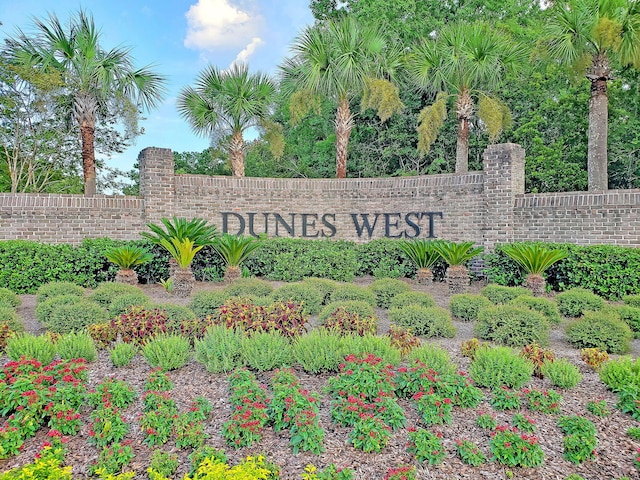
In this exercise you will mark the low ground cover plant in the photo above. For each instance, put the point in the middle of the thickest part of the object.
(385, 289)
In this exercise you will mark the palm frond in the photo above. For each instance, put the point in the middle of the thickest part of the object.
(423, 253)
(128, 256)
(535, 259)
(235, 249)
(457, 253)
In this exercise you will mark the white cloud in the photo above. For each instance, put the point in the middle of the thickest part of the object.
(214, 24)
(243, 56)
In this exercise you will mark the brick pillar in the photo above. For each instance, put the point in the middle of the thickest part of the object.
(503, 167)
(157, 183)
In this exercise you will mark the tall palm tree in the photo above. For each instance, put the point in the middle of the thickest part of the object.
(340, 60)
(227, 101)
(588, 35)
(95, 79)
(468, 61)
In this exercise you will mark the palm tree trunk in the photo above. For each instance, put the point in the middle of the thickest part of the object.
(599, 74)
(87, 133)
(464, 110)
(343, 127)
(236, 152)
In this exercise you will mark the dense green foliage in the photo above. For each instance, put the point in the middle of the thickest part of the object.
(603, 330)
(513, 326)
(465, 306)
(494, 367)
(577, 301)
(424, 321)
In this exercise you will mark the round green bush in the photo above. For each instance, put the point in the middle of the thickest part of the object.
(545, 306)
(299, 292)
(412, 298)
(632, 300)
(348, 292)
(323, 285)
(631, 316)
(44, 309)
(264, 351)
(8, 297)
(57, 289)
(574, 302)
(499, 294)
(107, 291)
(243, 287)
(465, 306)
(206, 302)
(10, 317)
(603, 330)
(424, 321)
(498, 366)
(76, 316)
(512, 326)
(386, 288)
(121, 303)
(175, 313)
(363, 309)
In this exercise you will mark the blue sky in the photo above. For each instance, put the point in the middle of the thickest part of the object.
(179, 37)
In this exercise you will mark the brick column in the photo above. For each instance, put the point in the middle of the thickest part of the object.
(157, 183)
(503, 167)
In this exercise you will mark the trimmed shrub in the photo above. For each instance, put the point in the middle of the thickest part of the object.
(380, 346)
(310, 297)
(106, 292)
(349, 292)
(561, 373)
(31, 346)
(207, 302)
(168, 352)
(435, 357)
(264, 351)
(77, 345)
(363, 309)
(465, 306)
(9, 298)
(603, 330)
(386, 288)
(75, 316)
(498, 366)
(512, 326)
(57, 289)
(344, 322)
(44, 309)
(574, 302)
(545, 306)
(219, 349)
(9, 316)
(412, 298)
(426, 322)
(249, 287)
(122, 354)
(629, 315)
(323, 286)
(319, 351)
(632, 300)
(121, 303)
(499, 295)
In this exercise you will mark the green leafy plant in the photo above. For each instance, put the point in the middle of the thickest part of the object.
(9, 297)
(435, 410)
(385, 289)
(26, 345)
(113, 458)
(301, 292)
(196, 229)
(501, 295)
(349, 292)
(602, 330)
(363, 309)
(580, 441)
(122, 354)
(319, 351)
(512, 326)
(514, 449)
(138, 324)
(545, 306)
(435, 357)
(456, 254)
(412, 298)
(426, 322)
(523, 423)
(468, 348)
(598, 408)
(234, 250)
(264, 351)
(249, 287)
(535, 259)
(544, 401)
(76, 345)
(634, 432)
(76, 316)
(574, 302)
(169, 352)
(346, 322)
(44, 308)
(497, 366)
(465, 306)
(107, 426)
(561, 373)
(167, 284)
(163, 463)
(629, 315)
(207, 302)
(426, 446)
(128, 256)
(538, 356)
(505, 399)
(122, 303)
(370, 434)
(404, 472)
(9, 317)
(469, 453)
(106, 292)
(486, 420)
(56, 289)
(423, 254)
(620, 373)
(380, 346)
(114, 392)
(219, 350)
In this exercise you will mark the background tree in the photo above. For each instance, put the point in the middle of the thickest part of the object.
(589, 35)
(99, 83)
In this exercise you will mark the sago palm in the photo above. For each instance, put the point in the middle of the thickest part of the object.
(228, 102)
(588, 35)
(96, 79)
(469, 62)
(535, 260)
(126, 257)
(424, 255)
(456, 255)
(234, 250)
(341, 60)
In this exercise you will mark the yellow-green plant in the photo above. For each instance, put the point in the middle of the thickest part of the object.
(182, 251)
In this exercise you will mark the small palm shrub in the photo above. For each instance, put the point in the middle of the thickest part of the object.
(265, 351)
(534, 259)
(363, 309)
(574, 302)
(249, 287)
(122, 354)
(26, 345)
(207, 302)
(424, 255)
(545, 306)
(345, 322)
(234, 250)
(168, 352)
(104, 294)
(319, 351)
(8, 297)
(412, 298)
(9, 317)
(310, 297)
(75, 316)
(386, 288)
(465, 306)
(435, 357)
(499, 294)
(56, 289)
(425, 322)
(456, 255)
(121, 303)
(380, 346)
(44, 308)
(348, 292)
(497, 366)
(629, 315)
(126, 257)
(561, 373)
(219, 350)
(512, 326)
(632, 300)
(323, 286)
(603, 330)
(76, 345)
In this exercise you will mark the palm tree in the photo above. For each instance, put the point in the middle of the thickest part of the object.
(424, 255)
(468, 61)
(534, 259)
(126, 257)
(96, 80)
(227, 101)
(456, 255)
(588, 35)
(341, 60)
(234, 250)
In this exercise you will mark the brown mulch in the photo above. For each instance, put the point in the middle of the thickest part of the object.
(615, 451)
